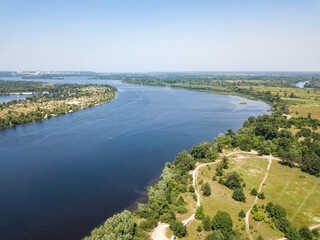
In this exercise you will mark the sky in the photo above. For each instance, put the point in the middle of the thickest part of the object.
(162, 35)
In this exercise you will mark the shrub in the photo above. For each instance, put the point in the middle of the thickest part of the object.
(199, 213)
(254, 192)
(206, 189)
(206, 223)
(216, 235)
(233, 180)
(305, 233)
(261, 196)
(258, 217)
(191, 189)
(238, 195)
(242, 214)
(178, 229)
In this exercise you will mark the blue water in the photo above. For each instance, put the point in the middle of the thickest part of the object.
(8, 98)
(60, 178)
(301, 84)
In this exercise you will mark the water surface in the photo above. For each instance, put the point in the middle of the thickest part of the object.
(60, 178)
(7, 98)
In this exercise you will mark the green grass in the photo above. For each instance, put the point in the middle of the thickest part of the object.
(284, 185)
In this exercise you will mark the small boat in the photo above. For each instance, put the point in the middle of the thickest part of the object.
(110, 139)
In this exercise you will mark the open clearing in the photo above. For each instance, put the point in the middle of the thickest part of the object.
(294, 190)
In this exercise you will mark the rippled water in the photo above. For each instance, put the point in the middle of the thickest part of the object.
(60, 178)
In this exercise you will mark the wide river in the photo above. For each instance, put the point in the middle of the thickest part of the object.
(60, 178)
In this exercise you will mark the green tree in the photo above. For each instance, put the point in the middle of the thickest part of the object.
(178, 229)
(238, 195)
(254, 192)
(216, 235)
(242, 214)
(261, 195)
(120, 226)
(199, 213)
(206, 223)
(305, 233)
(225, 162)
(206, 189)
(191, 189)
(233, 180)
(278, 212)
(184, 162)
(222, 221)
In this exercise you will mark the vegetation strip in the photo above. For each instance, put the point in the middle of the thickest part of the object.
(49, 100)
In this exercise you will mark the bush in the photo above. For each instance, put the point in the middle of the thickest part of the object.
(233, 180)
(199, 213)
(178, 229)
(242, 214)
(258, 217)
(238, 195)
(261, 196)
(206, 223)
(278, 212)
(199, 228)
(182, 210)
(214, 178)
(254, 192)
(305, 233)
(191, 189)
(216, 235)
(206, 189)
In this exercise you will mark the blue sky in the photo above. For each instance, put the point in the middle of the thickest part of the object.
(163, 35)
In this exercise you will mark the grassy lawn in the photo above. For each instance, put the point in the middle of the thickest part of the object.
(294, 190)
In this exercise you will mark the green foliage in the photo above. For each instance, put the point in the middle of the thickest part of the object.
(222, 221)
(184, 162)
(258, 216)
(225, 162)
(254, 192)
(261, 195)
(260, 238)
(206, 189)
(178, 229)
(238, 195)
(233, 180)
(206, 223)
(305, 233)
(199, 229)
(216, 235)
(119, 227)
(191, 189)
(242, 214)
(199, 213)
(278, 212)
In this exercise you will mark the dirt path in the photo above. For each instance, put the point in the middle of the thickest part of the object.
(269, 158)
(159, 232)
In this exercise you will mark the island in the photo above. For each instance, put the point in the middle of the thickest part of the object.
(48, 100)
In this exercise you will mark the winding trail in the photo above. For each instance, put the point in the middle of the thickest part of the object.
(159, 232)
(269, 158)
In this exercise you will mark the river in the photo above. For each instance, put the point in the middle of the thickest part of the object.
(61, 177)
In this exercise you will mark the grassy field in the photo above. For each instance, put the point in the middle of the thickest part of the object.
(297, 192)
